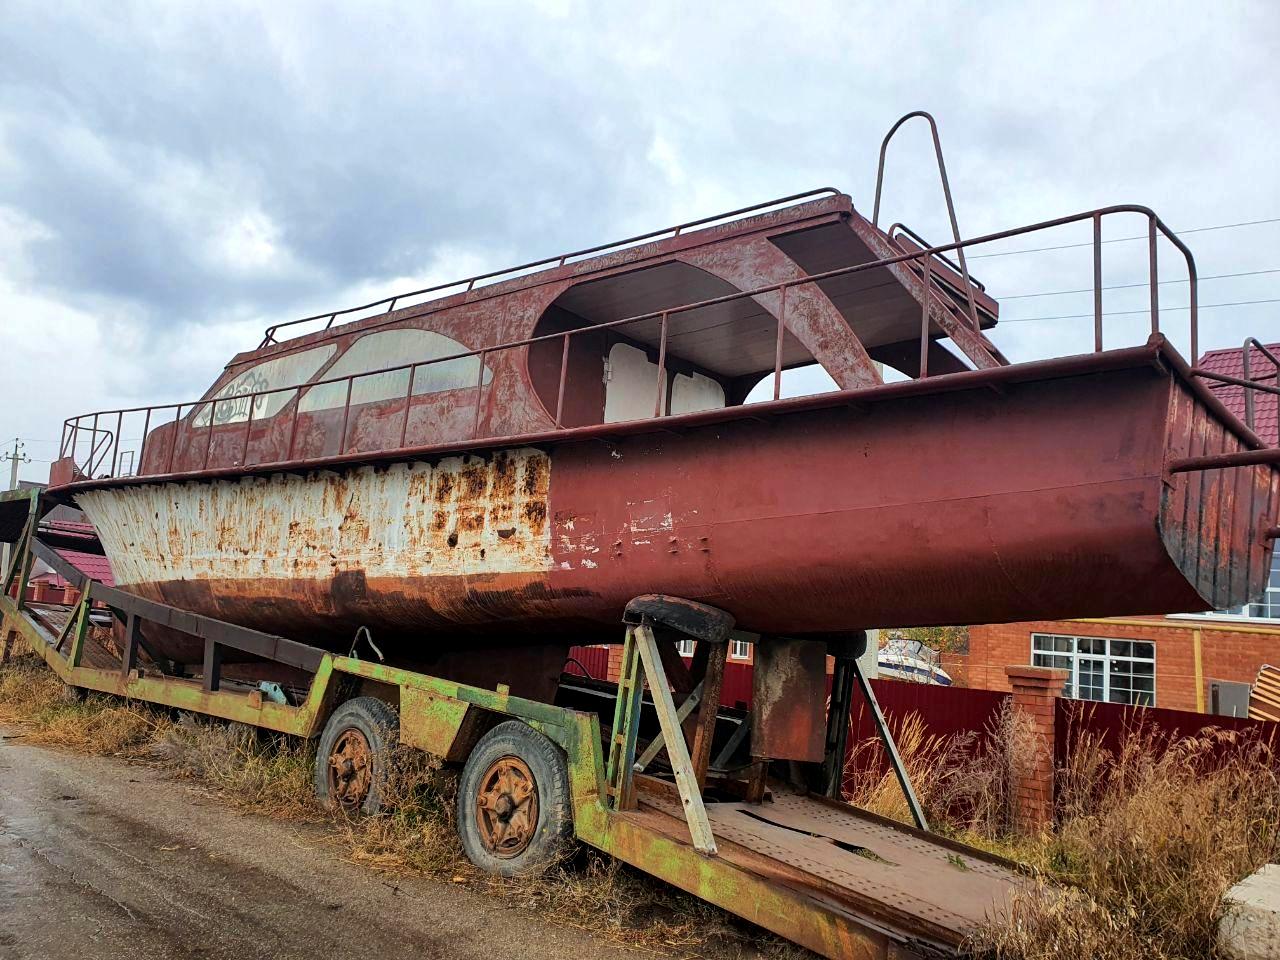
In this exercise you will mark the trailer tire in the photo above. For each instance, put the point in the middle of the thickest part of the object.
(353, 756)
(515, 816)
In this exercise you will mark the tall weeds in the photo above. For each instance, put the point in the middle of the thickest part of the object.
(1148, 837)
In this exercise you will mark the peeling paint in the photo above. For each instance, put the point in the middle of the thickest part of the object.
(459, 516)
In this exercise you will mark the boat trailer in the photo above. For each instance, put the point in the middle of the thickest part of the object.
(692, 807)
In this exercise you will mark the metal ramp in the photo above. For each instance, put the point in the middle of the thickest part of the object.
(920, 886)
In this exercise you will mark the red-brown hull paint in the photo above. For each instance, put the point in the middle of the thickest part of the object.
(1043, 498)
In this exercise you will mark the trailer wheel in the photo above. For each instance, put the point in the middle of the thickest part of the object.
(352, 757)
(514, 813)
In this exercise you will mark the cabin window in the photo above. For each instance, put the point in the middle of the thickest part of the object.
(1108, 670)
(232, 403)
(390, 348)
(739, 649)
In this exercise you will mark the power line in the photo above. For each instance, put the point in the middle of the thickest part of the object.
(1072, 246)
(1123, 313)
(1128, 286)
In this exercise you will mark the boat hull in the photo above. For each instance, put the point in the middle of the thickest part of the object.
(1034, 498)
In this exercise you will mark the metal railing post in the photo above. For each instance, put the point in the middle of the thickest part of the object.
(346, 417)
(662, 367)
(946, 193)
(777, 349)
(475, 429)
(1097, 283)
(293, 426)
(173, 447)
(142, 449)
(248, 431)
(408, 402)
(1155, 276)
(213, 418)
(924, 318)
(564, 373)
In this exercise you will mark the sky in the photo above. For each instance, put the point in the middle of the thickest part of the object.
(174, 177)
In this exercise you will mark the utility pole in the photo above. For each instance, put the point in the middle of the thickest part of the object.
(17, 458)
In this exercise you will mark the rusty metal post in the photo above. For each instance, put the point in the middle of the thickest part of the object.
(475, 429)
(129, 656)
(708, 710)
(1155, 276)
(564, 373)
(346, 416)
(293, 425)
(662, 367)
(213, 417)
(890, 747)
(212, 665)
(946, 193)
(173, 447)
(115, 453)
(408, 402)
(142, 449)
(1247, 374)
(248, 431)
(1097, 284)
(777, 352)
(924, 318)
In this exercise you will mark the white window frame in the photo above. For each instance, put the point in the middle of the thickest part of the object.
(1075, 655)
(684, 646)
(739, 649)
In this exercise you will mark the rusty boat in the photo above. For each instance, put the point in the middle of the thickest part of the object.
(488, 471)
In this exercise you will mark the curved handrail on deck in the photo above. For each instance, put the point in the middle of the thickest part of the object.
(1156, 227)
(946, 193)
(269, 335)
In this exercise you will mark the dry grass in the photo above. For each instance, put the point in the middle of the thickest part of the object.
(964, 782)
(1154, 835)
(266, 774)
(416, 836)
(1147, 838)
(54, 715)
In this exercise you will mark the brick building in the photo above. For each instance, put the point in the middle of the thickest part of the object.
(1161, 661)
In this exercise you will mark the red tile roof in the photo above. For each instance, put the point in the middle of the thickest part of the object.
(92, 565)
(1266, 406)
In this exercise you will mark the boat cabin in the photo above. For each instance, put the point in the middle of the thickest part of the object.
(691, 321)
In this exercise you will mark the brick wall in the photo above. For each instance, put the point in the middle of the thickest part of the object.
(1227, 651)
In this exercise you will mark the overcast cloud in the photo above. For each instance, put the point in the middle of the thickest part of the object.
(175, 177)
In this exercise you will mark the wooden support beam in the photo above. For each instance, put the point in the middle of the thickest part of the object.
(690, 793)
(132, 631)
(705, 728)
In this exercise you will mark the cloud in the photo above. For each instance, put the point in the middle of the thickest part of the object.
(175, 177)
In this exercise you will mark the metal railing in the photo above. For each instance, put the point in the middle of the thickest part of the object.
(559, 260)
(89, 425)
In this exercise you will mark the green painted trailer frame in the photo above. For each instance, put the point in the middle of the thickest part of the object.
(434, 717)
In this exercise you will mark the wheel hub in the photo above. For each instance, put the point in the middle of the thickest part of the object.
(507, 807)
(350, 769)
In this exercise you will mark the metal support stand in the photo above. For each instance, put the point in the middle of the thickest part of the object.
(837, 744)
(890, 747)
(641, 662)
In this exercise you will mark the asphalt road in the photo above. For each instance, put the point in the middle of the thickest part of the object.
(101, 859)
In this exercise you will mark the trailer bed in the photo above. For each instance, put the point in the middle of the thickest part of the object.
(918, 886)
